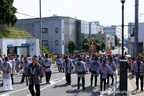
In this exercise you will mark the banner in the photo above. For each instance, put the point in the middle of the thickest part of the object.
(109, 52)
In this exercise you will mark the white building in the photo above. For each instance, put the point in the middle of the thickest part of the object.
(113, 31)
(132, 39)
(108, 39)
(19, 47)
(57, 31)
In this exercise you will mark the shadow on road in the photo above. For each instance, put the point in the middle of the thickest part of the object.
(63, 85)
(89, 90)
(5, 91)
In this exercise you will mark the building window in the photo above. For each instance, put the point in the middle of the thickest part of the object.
(44, 30)
(56, 30)
(56, 42)
(45, 42)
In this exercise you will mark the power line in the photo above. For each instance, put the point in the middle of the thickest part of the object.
(26, 14)
(19, 12)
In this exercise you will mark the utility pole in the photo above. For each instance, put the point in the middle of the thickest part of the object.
(40, 28)
(136, 26)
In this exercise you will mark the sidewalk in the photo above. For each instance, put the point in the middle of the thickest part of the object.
(131, 87)
(114, 89)
(132, 84)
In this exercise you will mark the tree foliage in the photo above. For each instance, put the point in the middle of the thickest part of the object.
(7, 12)
(103, 45)
(71, 46)
(97, 40)
(85, 40)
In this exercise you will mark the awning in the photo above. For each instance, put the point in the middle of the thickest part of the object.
(27, 44)
(10, 45)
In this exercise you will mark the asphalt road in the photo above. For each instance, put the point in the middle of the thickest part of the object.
(57, 86)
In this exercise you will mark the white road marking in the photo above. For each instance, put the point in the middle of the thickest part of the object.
(52, 82)
(4, 95)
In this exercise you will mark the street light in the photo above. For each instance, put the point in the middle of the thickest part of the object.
(122, 1)
(123, 63)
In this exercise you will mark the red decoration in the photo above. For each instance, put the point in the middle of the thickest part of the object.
(109, 52)
(43, 68)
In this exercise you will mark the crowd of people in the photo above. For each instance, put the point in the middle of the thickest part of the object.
(34, 68)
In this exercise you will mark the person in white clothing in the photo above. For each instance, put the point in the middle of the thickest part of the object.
(47, 64)
(17, 61)
(12, 61)
(7, 70)
(24, 65)
(1, 62)
(80, 71)
(59, 63)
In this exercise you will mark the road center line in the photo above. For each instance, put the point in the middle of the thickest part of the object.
(52, 82)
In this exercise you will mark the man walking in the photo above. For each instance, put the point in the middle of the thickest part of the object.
(24, 66)
(34, 73)
(93, 69)
(68, 66)
(104, 70)
(113, 67)
(47, 64)
(138, 69)
(80, 71)
(12, 61)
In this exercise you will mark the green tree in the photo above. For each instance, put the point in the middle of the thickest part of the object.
(97, 40)
(7, 12)
(71, 46)
(85, 40)
(116, 41)
(103, 45)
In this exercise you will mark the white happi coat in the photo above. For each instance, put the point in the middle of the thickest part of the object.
(88, 61)
(135, 68)
(12, 63)
(47, 64)
(25, 65)
(59, 62)
(94, 67)
(68, 67)
(80, 68)
(104, 71)
(40, 61)
(112, 65)
(17, 61)
(6, 66)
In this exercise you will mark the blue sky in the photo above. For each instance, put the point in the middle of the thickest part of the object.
(108, 12)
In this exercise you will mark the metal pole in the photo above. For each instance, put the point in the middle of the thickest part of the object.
(136, 26)
(122, 30)
(40, 28)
